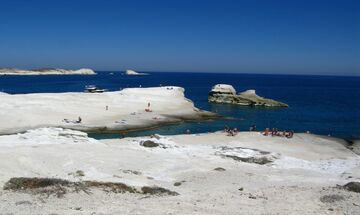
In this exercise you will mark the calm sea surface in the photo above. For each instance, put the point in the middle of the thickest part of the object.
(319, 104)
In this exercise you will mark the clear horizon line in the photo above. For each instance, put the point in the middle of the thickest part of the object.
(244, 73)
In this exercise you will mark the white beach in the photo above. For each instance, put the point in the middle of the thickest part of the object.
(300, 179)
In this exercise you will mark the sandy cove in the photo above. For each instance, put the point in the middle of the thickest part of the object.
(125, 110)
(212, 173)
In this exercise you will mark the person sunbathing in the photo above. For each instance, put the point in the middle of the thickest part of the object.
(273, 132)
(266, 132)
(235, 132)
(72, 121)
(230, 133)
(291, 134)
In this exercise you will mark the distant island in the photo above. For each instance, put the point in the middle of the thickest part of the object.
(45, 71)
(132, 72)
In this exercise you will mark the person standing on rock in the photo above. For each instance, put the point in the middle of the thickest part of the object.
(253, 127)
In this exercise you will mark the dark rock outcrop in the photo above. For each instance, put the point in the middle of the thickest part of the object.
(352, 186)
(149, 143)
(60, 187)
(220, 169)
(331, 198)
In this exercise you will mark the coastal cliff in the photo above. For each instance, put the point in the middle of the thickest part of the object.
(46, 71)
(226, 94)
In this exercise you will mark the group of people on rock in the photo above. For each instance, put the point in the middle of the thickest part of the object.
(231, 132)
(274, 132)
(277, 133)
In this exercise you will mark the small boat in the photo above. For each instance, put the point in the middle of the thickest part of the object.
(93, 89)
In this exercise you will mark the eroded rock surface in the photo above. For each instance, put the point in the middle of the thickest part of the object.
(60, 187)
(247, 155)
(226, 94)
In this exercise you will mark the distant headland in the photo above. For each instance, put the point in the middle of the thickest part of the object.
(46, 71)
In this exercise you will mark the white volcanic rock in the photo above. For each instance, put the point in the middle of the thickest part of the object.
(118, 110)
(132, 72)
(226, 94)
(46, 136)
(304, 170)
(224, 88)
(46, 71)
(248, 92)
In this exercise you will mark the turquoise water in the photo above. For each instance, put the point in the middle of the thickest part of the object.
(319, 104)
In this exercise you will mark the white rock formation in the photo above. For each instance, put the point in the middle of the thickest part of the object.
(46, 71)
(132, 72)
(224, 93)
(119, 110)
(224, 88)
(45, 136)
(248, 92)
(306, 169)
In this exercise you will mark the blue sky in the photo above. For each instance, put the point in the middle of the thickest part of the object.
(252, 36)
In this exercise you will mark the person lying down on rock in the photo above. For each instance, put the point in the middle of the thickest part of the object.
(275, 132)
(72, 121)
(231, 132)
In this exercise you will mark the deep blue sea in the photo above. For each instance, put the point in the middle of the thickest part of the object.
(319, 104)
